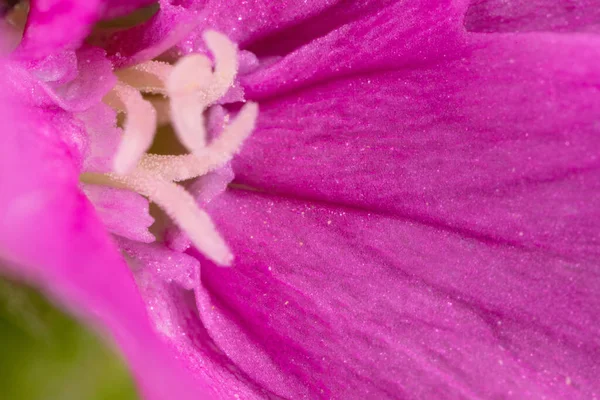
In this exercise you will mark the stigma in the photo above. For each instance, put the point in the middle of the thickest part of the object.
(192, 85)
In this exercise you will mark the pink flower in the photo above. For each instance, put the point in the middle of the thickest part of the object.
(415, 214)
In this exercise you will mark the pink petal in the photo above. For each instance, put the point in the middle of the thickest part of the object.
(73, 81)
(94, 79)
(122, 212)
(499, 146)
(46, 31)
(168, 265)
(57, 68)
(174, 312)
(166, 28)
(465, 262)
(331, 302)
(104, 137)
(246, 21)
(241, 21)
(50, 236)
(533, 15)
(390, 36)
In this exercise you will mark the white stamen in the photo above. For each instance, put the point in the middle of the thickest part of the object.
(225, 53)
(191, 86)
(220, 151)
(139, 127)
(182, 208)
(188, 99)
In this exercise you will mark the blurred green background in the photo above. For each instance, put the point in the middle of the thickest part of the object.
(46, 354)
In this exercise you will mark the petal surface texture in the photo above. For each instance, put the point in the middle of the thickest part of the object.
(536, 15)
(349, 303)
(442, 210)
(499, 145)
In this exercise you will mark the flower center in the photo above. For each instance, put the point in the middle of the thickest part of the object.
(192, 86)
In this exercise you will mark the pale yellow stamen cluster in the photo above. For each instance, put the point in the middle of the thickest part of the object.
(191, 85)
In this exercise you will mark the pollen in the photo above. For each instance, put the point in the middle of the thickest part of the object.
(191, 86)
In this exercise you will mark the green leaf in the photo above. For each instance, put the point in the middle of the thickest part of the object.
(46, 354)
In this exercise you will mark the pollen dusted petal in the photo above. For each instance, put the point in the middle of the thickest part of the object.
(183, 209)
(220, 151)
(123, 212)
(140, 125)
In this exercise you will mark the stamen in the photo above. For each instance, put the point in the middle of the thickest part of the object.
(182, 208)
(220, 151)
(188, 100)
(225, 53)
(139, 127)
(191, 86)
(190, 97)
